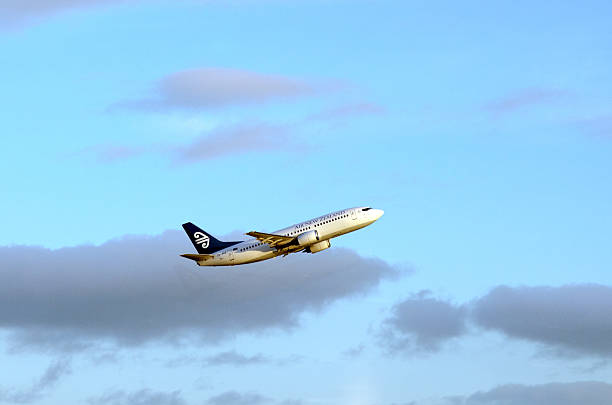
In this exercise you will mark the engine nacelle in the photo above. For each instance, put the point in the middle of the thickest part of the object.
(308, 238)
(317, 247)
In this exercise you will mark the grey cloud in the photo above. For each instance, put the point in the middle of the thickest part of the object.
(235, 359)
(422, 324)
(237, 398)
(525, 98)
(49, 378)
(137, 289)
(574, 318)
(571, 320)
(141, 397)
(574, 393)
(229, 358)
(355, 351)
(207, 88)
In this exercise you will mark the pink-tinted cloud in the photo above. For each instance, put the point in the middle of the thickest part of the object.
(224, 141)
(526, 98)
(18, 12)
(236, 140)
(600, 125)
(348, 111)
(207, 88)
(114, 153)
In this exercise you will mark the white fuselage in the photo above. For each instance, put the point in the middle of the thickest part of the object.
(328, 226)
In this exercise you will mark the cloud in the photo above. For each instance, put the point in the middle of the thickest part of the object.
(235, 359)
(236, 140)
(231, 358)
(600, 125)
(573, 393)
(208, 88)
(113, 153)
(571, 320)
(355, 351)
(223, 141)
(49, 378)
(422, 324)
(348, 111)
(574, 318)
(141, 397)
(525, 98)
(248, 398)
(18, 12)
(237, 398)
(137, 289)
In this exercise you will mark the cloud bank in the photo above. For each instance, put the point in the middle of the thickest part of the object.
(137, 289)
(568, 320)
(573, 393)
(572, 318)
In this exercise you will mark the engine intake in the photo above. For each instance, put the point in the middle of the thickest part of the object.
(317, 247)
(308, 238)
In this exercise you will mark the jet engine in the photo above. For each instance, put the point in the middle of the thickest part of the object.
(308, 238)
(317, 247)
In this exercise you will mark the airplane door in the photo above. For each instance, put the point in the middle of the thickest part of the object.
(354, 214)
(230, 256)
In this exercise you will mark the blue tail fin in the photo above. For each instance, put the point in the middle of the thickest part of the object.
(204, 242)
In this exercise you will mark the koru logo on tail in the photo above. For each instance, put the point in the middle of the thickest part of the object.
(201, 239)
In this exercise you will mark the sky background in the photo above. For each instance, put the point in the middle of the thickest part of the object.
(483, 129)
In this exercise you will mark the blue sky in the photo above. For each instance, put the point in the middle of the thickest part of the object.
(483, 130)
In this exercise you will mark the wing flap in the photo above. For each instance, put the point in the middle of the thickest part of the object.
(271, 239)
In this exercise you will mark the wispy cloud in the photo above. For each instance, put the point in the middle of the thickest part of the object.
(600, 125)
(208, 88)
(571, 393)
(228, 358)
(346, 111)
(221, 142)
(50, 377)
(526, 98)
(139, 397)
(235, 359)
(234, 140)
(114, 153)
(238, 398)
(14, 13)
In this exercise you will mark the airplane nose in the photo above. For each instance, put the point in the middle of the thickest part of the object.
(379, 213)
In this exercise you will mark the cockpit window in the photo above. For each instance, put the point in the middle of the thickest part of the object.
(366, 209)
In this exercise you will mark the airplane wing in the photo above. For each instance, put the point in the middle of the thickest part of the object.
(197, 258)
(276, 241)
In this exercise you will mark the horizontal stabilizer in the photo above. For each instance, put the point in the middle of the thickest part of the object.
(197, 258)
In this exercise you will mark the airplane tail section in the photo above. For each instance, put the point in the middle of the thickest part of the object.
(204, 243)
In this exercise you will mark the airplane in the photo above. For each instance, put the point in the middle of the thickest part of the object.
(310, 237)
